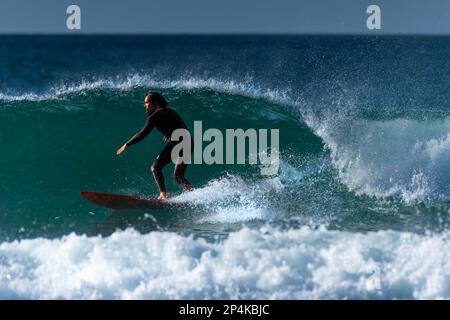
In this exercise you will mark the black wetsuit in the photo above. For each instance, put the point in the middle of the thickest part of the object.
(166, 121)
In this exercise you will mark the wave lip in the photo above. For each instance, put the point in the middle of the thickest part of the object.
(245, 88)
(250, 264)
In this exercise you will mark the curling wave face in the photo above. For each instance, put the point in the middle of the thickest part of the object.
(334, 164)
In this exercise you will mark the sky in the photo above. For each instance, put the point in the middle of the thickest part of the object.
(225, 16)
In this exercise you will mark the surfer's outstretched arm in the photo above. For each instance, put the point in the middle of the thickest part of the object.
(149, 124)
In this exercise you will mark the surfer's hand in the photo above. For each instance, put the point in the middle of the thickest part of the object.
(122, 148)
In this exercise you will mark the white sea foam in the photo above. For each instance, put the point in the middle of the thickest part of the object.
(245, 88)
(230, 199)
(250, 264)
(400, 157)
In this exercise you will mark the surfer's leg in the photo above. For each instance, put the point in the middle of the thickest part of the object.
(179, 176)
(180, 169)
(156, 169)
(161, 161)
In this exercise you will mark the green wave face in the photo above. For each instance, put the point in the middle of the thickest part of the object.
(56, 147)
(53, 148)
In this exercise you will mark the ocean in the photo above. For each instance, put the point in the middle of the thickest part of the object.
(359, 208)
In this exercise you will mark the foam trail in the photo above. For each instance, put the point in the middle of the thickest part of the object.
(250, 264)
(230, 199)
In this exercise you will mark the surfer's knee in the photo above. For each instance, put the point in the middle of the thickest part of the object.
(155, 168)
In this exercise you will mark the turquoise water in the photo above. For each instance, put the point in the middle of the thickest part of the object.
(363, 182)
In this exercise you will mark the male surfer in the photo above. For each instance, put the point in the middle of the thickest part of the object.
(166, 120)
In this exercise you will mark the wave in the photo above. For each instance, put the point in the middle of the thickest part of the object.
(392, 157)
(250, 264)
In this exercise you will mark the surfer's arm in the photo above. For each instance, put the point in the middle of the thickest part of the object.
(149, 124)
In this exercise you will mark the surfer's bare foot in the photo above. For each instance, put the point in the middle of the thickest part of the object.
(162, 196)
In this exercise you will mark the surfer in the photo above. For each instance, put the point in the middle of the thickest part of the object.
(166, 120)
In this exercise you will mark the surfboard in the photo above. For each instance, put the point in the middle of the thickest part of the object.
(127, 202)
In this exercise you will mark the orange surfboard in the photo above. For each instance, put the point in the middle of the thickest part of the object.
(127, 202)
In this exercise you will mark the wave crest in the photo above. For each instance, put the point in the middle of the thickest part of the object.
(245, 88)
